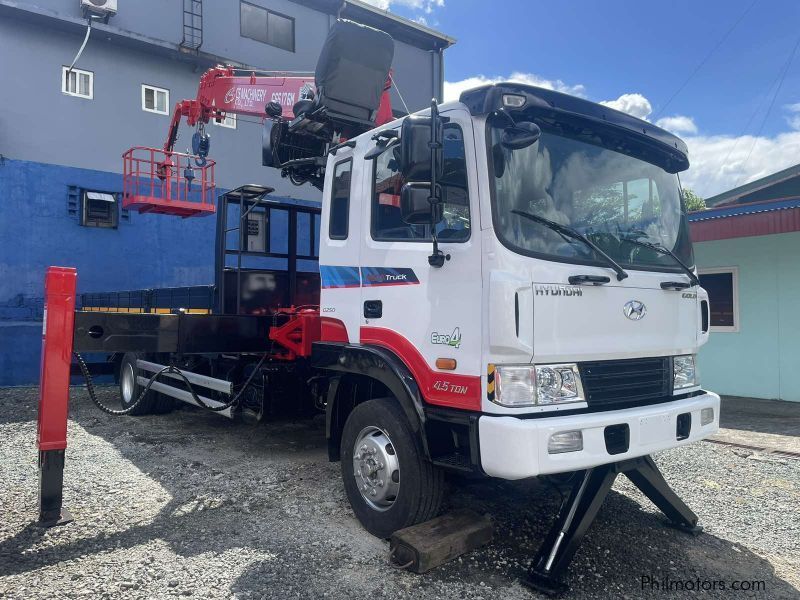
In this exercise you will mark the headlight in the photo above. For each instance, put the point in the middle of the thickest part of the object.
(684, 373)
(531, 385)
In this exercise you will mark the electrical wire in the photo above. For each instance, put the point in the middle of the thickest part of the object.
(705, 60)
(781, 79)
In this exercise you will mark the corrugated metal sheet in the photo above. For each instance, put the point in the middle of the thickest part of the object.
(763, 222)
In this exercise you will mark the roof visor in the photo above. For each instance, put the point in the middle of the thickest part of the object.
(581, 119)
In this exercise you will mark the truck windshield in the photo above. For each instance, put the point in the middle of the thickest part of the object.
(611, 198)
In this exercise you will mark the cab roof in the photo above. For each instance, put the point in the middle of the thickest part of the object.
(671, 151)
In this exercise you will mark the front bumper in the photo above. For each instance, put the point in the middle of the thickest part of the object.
(514, 448)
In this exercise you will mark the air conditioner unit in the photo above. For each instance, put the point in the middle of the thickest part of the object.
(101, 8)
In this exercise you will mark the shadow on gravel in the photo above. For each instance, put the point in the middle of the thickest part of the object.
(626, 543)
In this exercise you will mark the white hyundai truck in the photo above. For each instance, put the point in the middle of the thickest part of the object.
(506, 289)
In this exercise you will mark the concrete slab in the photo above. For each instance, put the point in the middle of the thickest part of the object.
(773, 425)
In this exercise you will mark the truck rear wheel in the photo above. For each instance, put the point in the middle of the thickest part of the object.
(129, 388)
(388, 481)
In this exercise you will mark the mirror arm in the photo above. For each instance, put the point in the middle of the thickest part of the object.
(437, 258)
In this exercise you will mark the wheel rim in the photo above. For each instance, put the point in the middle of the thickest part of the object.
(128, 383)
(376, 468)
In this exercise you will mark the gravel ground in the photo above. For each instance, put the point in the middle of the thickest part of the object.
(191, 504)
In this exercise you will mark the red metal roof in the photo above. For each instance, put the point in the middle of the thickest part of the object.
(724, 227)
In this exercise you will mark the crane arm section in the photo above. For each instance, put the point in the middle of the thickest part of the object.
(226, 90)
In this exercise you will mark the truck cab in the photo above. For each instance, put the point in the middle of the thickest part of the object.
(542, 316)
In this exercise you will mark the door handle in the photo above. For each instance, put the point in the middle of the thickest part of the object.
(373, 309)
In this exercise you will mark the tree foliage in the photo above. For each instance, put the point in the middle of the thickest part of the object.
(693, 201)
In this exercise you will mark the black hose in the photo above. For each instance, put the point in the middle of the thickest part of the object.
(170, 369)
(90, 388)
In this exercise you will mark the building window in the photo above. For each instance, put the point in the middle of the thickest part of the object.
(77, 83)
(388, 225)
(229, 121)
(266, 26)
(722, 286)
(99, 209)
(155, 100)
(340, 201)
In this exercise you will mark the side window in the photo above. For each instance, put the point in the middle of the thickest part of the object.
(722, 286)
(387, 225)
(340, 201)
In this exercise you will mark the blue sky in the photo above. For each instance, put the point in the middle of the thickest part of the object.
(636, 55)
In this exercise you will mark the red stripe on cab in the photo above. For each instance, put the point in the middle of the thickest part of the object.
(443, 389)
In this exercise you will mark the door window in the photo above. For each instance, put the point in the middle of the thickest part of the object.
(340, 201)
(387, 224)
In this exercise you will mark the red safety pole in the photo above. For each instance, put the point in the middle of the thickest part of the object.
(57, 331)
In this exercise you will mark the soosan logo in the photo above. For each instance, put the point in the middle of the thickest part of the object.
(230, 95)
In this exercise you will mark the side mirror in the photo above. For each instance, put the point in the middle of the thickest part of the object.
(520, 135)
(415, 206)
(415, 135)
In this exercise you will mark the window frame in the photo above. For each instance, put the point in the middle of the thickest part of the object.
(222, 123)
(266, 33)
(734, 271)
(156, 89)
(78, 72)
(415, 240)
(330, 200)
(84, 220)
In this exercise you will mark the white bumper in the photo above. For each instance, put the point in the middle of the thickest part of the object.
(513, 448)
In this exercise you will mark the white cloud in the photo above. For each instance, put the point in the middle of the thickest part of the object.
(426, 6)
(719, 163)
(678, 124)
(453, 89)
(793, 118)
(633, 104)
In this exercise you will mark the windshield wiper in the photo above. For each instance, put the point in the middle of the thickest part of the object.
(576, 235)
(666, 252)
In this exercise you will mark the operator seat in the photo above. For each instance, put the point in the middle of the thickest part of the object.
(352, 69)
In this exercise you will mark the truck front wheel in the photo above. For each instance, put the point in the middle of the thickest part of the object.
(389, 482)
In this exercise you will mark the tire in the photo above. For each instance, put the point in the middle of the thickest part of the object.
(129, 389)
(412, 495)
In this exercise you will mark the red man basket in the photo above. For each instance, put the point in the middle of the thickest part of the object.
(172, 183)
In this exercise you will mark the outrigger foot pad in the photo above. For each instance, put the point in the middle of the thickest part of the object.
(579, 511)
(61, 518)
(694, 530)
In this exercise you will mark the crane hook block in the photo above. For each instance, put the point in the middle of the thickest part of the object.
(201, 144)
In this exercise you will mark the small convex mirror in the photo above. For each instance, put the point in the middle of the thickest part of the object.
(520, 135)
(415, 206)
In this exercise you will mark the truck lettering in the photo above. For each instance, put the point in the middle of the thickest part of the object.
(557, 290)
(451, 388)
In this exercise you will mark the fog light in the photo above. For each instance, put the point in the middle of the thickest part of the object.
(706, 416)
(566, 441)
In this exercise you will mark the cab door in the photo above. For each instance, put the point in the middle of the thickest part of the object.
(340, 280)
(422, 313)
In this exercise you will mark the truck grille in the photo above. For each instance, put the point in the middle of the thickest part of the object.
(611, 383)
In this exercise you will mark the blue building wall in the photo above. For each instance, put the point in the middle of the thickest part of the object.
(761, 359)
(36, 231)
